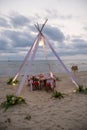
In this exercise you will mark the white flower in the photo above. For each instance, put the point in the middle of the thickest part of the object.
(13, 84)
(13, 98)
(74, 91)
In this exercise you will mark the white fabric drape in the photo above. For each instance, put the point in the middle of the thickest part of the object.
(25, 59)
(33, 51)
(69, 73)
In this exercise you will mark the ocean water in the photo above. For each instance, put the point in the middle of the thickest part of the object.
(9, 68)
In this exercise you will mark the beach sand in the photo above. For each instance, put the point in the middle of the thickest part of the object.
(42, 111)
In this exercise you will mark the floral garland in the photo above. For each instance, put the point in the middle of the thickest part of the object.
(12, 100)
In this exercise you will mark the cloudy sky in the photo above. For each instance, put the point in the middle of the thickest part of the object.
(66, 28)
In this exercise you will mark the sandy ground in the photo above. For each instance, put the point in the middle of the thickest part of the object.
(42, 112)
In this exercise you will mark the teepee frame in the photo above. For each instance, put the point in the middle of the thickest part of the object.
(31, 54)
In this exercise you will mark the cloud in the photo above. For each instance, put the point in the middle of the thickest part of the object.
(4, 22)
(79, 43)
(76, 46)
(24, 37)
(18, 38)
(54, 33)
(85, 28)
(19, 20)
(57, 15)
(64, 17)
(3, 44)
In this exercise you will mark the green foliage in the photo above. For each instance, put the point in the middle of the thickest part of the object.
(12, 100)
(11, 82)
(82, 89)
(85, 91)
(57, 94)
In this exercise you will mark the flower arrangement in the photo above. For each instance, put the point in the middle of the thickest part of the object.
(11, 82)
(12, 100)
(57, 94)
(48, 87)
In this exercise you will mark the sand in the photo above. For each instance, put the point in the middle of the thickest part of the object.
(42, 111)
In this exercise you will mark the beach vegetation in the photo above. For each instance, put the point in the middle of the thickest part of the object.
(11, 82)
(82, 89)
(57, 94)
(12, 100)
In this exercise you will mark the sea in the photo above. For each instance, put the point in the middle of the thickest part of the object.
(10, 68)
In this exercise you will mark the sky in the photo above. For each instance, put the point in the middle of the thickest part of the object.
(66, 27)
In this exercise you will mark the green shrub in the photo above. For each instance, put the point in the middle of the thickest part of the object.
(57, 94)
(12, 100)
(11, 82)
(82, 89)
(85, 90)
